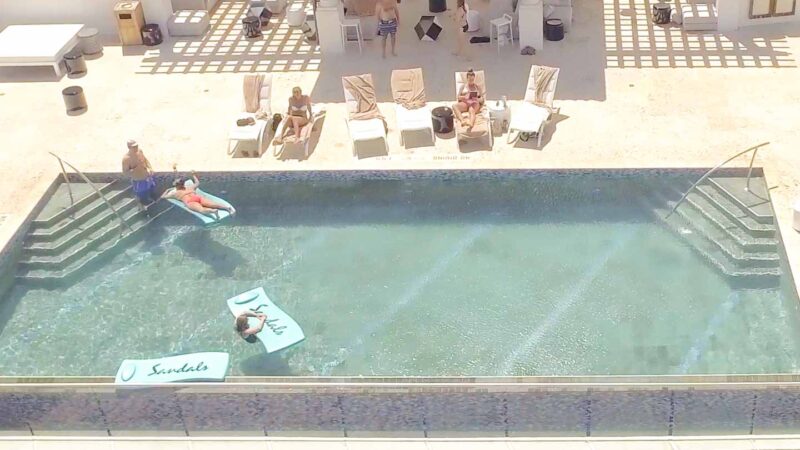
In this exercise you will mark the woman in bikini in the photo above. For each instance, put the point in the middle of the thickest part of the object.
(470, 98)
(194, 201)
(297, 116)
(244, 329)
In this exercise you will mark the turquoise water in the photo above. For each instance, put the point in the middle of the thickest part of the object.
(533, 276)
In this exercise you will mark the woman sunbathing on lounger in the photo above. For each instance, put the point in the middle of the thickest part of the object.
(297, 116)
(244, 329)
(194, 201)
(470, 99)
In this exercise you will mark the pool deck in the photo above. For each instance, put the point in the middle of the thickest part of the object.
(631, 95)
(701, 443)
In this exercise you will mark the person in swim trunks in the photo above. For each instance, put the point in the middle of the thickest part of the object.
(388, 20)
(244, 329)
(136, 166)
(194, 201)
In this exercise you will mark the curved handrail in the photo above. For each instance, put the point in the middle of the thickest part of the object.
(753, 149)
(97, 191)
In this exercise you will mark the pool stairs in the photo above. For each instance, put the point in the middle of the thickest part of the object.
(733, 229)
(59, 248)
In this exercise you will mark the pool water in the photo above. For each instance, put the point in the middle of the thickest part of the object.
(526, 275)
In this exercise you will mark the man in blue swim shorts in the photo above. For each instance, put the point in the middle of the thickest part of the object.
(388, 19)
(136, 166)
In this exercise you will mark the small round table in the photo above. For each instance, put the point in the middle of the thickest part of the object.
(75, 63)
(74, 100)
(442, 118)
(252, 27)
(661, 13)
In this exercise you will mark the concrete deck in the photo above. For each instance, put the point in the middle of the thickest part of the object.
(631, 95)
(707, 443)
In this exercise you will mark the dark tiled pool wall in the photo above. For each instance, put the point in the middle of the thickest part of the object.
(420, 411)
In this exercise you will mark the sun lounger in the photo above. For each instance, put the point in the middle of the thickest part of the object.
(37, 45)
(537, 107)
(257, 106)
(290, 143)
(482, 128)
(413, 113)
(364, 120)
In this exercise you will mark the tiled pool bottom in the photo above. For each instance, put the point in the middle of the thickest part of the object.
(459, 275)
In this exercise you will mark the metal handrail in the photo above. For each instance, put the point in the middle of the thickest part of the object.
(753, 149)
(97, 191)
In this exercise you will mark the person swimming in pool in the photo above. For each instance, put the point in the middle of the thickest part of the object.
(194, 201)
(244, 329)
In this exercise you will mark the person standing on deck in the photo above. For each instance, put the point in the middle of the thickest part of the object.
(388, 19)
(136, 166)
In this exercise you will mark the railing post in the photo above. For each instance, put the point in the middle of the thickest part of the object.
(66, 180)
(750, 170)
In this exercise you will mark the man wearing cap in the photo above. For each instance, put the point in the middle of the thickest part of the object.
(136, 166)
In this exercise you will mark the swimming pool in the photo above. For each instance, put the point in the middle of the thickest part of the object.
(431, 274)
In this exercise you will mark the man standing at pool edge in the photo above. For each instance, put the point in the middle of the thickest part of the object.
(136, 166)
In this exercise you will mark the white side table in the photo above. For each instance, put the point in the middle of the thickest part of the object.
(248, 133)
(499, 115)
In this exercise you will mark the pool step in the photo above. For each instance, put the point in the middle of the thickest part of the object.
(754, 201)
(52, 230)
(85, 241)
(725, 243)
(752, 277)
(114, 240)
(81, 203)
(40, 246)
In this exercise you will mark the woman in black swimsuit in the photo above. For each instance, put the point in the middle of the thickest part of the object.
(247, 332)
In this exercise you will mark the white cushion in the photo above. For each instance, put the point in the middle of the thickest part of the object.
(413, 119)
(366, 130)
(528, 117)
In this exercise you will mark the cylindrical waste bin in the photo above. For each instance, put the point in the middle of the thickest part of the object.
(87, 39)
(130, 20)
(75, 63)
(437, 6)
(661, 13)
(553, 29)
(442, 119)
(74, 100)
(252, 27)
(151, 34)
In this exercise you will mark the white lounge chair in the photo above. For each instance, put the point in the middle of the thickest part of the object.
(482, 126)
(262, 118)
(291, 145)
(418, 119)
(532, 116)
(362, 130)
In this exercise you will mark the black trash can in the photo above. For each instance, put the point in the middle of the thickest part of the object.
(74, 100)
(75, 63)
(553, 29)
(437, 6)
(252, 27)
(442, 118)
(151, 34)
(661, 13)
